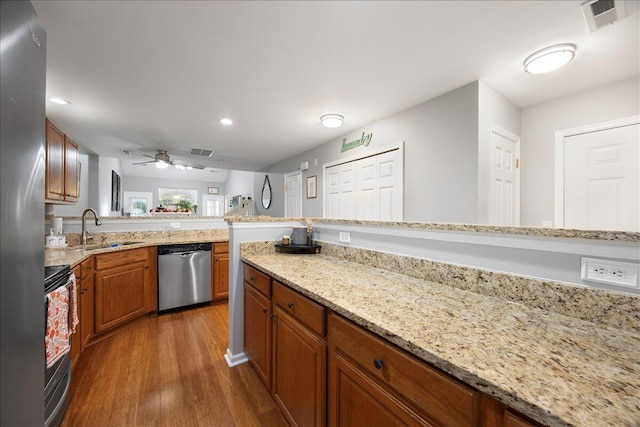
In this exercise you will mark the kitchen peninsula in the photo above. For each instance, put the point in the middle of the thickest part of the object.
(558, 353)
(556, 369)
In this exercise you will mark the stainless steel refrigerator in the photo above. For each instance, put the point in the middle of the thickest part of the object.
(22, 159)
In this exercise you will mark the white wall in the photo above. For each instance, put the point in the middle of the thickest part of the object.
(105, 166)
(240, 183)
(539, 124)
(493, 109)
(441, 157)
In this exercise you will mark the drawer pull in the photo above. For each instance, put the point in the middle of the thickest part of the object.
(251, 279)
(378, 363)
(290, 304)
(264, 310)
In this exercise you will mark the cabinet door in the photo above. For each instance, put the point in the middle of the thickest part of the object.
(70, 170)
(54, 170)
(87, 303)
(257, 332)
(120, 295)
(300, 361)
(356, 400)
(220, 276)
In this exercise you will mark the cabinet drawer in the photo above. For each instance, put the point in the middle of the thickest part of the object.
(300, 307)
(432, 393)
(257, 279)
(119, 258)
(221, 247)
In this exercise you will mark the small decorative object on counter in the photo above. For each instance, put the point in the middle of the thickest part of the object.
(298, 249)
(285, 240)
(299, 235)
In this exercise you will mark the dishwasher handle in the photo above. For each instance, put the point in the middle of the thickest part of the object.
(182, 254)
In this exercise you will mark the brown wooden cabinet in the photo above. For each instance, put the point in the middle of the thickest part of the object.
(86, 292)
(354, 377)
(220, 276)
(125, 287)
(61, 177)
(494, 413)
(54, 169)
(299, 365)
(85, 309)
(257, 331)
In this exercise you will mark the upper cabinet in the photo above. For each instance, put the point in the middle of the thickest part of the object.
(61, 182)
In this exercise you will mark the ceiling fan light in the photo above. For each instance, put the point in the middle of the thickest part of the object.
(550, 58)
(331, 120)
(60, 101)
(162, 165)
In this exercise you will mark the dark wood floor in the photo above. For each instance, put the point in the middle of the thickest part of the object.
(169, 370)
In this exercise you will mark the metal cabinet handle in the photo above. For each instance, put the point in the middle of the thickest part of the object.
(264, 310)
(251, 279)
(273, 316)
(82, 291)
(290, 304)
(378, 363)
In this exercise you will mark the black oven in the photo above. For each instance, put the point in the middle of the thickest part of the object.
(58, 376)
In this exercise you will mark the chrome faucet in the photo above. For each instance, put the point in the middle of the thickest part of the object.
(85, 234)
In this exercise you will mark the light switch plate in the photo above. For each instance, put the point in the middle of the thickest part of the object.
(610, 272)
(174, 225)
(344, 237)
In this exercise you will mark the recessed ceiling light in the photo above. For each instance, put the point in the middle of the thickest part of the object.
(331, 120)
(226, 121)
(550, 58)
(60, 101)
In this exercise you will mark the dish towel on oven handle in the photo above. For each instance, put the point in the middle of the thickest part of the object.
(56, 338)
(73, 306)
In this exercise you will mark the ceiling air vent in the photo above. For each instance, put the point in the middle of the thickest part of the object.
(201, 152)
(599, 13)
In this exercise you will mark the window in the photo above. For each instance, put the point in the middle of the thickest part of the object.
(137, 203)
(169, 197)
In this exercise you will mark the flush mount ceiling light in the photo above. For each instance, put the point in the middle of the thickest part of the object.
(550, 58)
(60, 101)
(226, 121)
(331, 120)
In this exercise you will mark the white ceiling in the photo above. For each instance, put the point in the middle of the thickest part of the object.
(147, 75)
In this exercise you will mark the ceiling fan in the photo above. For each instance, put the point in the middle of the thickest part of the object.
(162, 160)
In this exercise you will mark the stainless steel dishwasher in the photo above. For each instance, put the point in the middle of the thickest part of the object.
(184, 275)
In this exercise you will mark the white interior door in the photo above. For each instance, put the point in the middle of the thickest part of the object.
(213, 205)
(602, 180)
(504, 190)
(341, 191)
(293, 194)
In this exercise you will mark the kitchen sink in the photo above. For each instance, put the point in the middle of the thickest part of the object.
(100, 246)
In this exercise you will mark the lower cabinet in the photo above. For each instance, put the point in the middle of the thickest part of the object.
(299, 359)
(85, 308)
(409, 389)
(257, 332)
(220, 267)
(352, 377)
(124, 287)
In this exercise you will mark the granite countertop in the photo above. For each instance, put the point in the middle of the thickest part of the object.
(558, 370)
(75, 254)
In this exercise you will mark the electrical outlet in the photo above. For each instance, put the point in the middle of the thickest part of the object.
(344, 237)
(610, 272)
(174, 225)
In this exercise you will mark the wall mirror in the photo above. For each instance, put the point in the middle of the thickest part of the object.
(266, 193)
